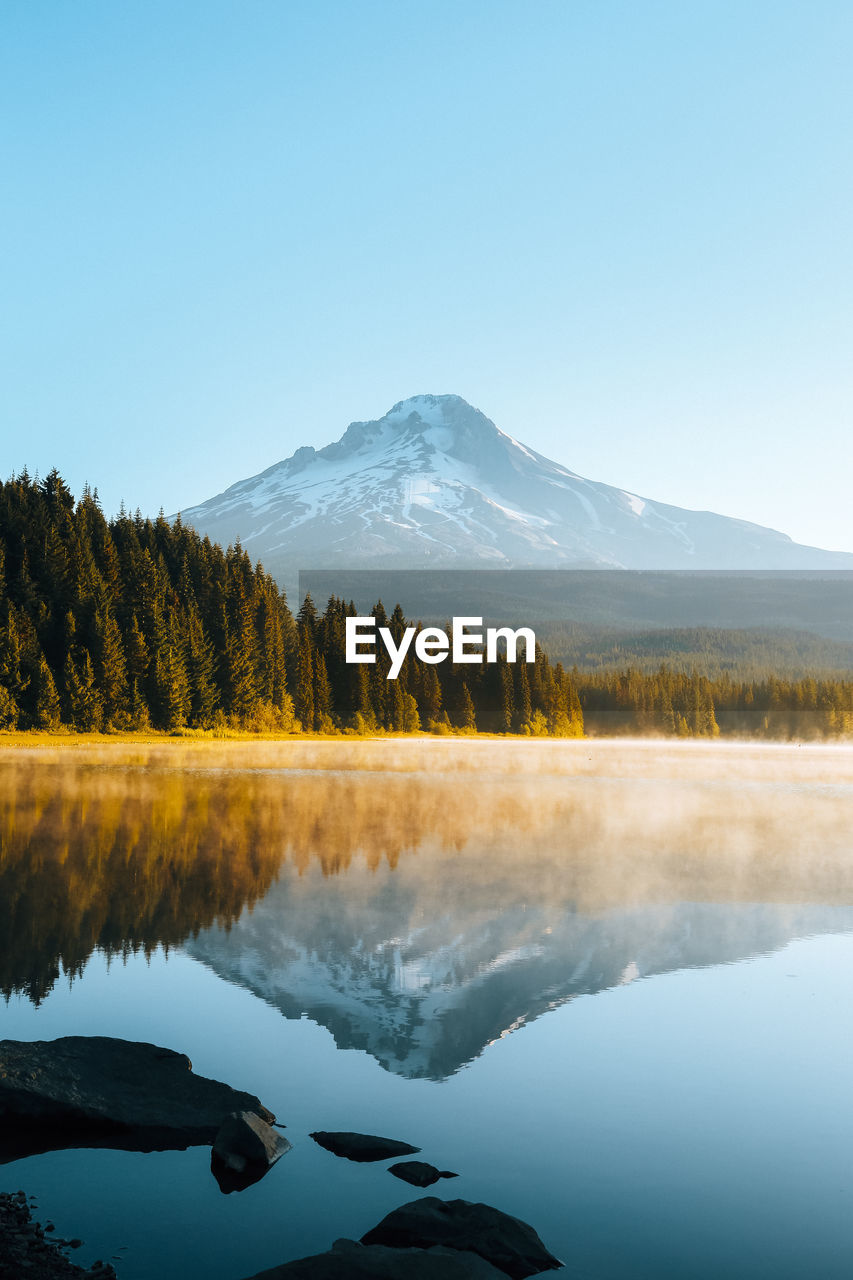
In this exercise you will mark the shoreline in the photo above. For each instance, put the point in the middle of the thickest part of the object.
(33, 739)
(27, 1248)
(39, 741)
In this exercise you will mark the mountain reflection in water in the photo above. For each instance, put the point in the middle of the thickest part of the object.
(420, 898)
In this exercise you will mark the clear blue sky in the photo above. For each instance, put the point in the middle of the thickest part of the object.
(621, 228)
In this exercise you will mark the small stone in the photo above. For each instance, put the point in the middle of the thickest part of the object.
(362, 1147)
(418, 1173)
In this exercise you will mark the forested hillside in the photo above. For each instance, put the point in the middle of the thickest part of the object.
(744, 653)
(134, 623)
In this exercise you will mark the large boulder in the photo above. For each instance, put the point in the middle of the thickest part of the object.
(348, 1260)
(506, 1242)
(362, 1146)
(418, 1173)
(95, 1091)
(244, 1149)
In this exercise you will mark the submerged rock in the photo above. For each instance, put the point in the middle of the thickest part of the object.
(506, 1242)
(244, 1149)
(418, 1173)
(96, 1091)
(349, 1260)
(362, 1146)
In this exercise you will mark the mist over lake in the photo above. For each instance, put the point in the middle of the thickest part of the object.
(607, 983)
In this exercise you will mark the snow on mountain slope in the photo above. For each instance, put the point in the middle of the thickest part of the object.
(435, 484)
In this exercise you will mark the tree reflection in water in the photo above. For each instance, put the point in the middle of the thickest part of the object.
(121, 849)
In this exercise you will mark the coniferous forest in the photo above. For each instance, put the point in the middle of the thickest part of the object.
(136, 624)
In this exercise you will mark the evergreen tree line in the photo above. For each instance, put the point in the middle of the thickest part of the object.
(672, 702)
(497, 697)
(131, 623)
(134, 623)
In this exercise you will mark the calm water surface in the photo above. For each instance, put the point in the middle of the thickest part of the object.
(608, 983)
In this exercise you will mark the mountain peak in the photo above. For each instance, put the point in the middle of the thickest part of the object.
(427, 406)
(428, 422)
(437, 411)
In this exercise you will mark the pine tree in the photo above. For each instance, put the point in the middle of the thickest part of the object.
(521, 702)
(173, 685)
(303, 694)
(506, 705)
(306, 618)
(242, 691)
(48, 711)
(322, 694)
(465, 717)
(396, 706)
(410, 721)
(137, 675)
(111, 668)
(429, 702)
(8, 709)
(273, 675)
(84, 709)
(12, 676)
(362, 718)
(201, 666)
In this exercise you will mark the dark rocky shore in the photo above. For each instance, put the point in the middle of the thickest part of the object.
(27, 1252)
(100, 1092)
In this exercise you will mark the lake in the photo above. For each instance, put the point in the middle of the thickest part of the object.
(608, 983)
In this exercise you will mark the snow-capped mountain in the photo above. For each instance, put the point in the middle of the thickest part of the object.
(435, 484)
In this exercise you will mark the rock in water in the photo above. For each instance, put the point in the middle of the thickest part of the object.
(418, 1173)
(362, 1146)
(245, 1148)
(347, 1260)
(95, 1091)
(507, 1243)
